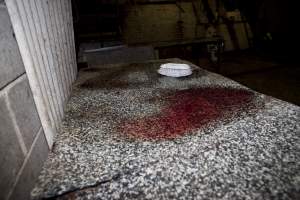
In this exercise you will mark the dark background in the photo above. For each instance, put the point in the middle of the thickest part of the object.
(269, 64)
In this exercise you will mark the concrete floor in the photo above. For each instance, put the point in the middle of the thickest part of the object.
(271, 75)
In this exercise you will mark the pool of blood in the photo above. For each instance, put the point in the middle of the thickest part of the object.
(187, 110)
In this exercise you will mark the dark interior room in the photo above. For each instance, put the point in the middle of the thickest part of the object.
(149, 99)
(258, 36)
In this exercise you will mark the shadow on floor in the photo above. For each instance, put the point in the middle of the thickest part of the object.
(280, 79)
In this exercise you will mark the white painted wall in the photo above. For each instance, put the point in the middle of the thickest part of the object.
(45, 36)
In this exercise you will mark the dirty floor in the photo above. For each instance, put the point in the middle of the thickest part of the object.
(130, 133)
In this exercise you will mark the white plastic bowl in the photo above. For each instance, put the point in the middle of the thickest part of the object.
(175, 70)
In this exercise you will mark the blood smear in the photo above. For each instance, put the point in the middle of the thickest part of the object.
(187, 110)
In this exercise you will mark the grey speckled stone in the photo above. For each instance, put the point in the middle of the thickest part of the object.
(250, 150)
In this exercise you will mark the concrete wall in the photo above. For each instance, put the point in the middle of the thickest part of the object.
(148, 23)
(23, 147)
(44, 33)
(158, 22)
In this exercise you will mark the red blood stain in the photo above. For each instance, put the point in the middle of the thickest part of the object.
(187, 110)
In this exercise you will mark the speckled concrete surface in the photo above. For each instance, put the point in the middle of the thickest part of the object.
(130, 133)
